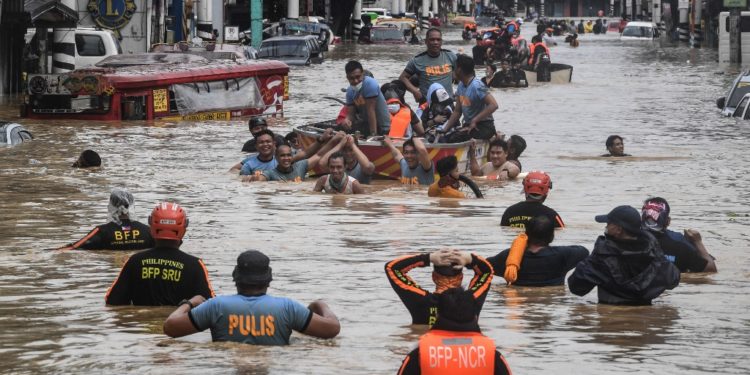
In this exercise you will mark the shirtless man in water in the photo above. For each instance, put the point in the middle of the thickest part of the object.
(337, 182)
(498, 167)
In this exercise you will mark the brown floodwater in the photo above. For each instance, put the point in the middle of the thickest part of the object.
(659, 97)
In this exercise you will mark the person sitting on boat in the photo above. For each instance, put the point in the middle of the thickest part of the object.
(455, 344)
(447, 272)
(337, 181)
(88, 159)
(615, 147)
(364, 101)
(435, 65)
(496, 79)
(233, 317)
(448, 184)
(498, 167)
(122, 232)
(416, 166)
(356, 162)
(404, 122)
(531, 261)
(516, 146)
(292, 139)
(163, 275)
(437, 109)
(536, 50)
(256, 125)
(474, 102)
(687, 250)
(536, 186)
(518, 75)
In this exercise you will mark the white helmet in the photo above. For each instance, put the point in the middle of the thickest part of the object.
(519, 21)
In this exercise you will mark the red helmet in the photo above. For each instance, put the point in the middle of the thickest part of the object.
(537, 182)
(168, 221)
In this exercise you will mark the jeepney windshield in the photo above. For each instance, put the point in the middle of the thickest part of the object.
(389, 34)
(284, 48)
(638, 31)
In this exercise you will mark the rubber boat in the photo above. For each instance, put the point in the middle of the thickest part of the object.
(560, 73)
(381, 156)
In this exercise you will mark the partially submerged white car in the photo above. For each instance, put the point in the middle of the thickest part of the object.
(639, 31)
(737, 102)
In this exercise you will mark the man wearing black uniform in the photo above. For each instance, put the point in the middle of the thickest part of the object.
(448, 273)
(120, 233)
(541, 264)
(687, 251)
(536, 186)
(163, 275)
(257, 125)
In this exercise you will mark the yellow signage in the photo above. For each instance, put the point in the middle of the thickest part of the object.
(286, 87)
(160, 100)
(206, 116)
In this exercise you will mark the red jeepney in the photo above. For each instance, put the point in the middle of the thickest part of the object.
(160, 86)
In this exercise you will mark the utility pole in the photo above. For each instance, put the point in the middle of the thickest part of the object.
(256, 22)
(735, 49)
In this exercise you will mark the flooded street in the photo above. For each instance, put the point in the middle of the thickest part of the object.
(659, 98)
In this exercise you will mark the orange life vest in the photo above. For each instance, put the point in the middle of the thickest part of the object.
(400, 121)
(447, 352)
(534, 47)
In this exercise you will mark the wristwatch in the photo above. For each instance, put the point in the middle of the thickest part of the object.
(186, 301)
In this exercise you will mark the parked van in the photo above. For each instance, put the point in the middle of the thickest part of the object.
(92, 45)
(383, 14)
(724, 37)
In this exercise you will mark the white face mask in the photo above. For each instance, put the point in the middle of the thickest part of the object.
(393, 108)
(358, 86)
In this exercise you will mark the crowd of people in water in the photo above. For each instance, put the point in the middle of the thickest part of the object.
(636, 259)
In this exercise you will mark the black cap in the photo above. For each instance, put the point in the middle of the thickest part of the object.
(252, 268)
(256, 121)
(625, 216)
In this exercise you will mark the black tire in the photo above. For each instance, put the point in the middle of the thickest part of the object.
(472, 185)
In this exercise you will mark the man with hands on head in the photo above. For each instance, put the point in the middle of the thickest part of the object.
(447, 273)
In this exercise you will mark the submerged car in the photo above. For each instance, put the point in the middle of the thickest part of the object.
(13, 134)
(640, 31)
(386, 35)
(736, 103)
(293, 50)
